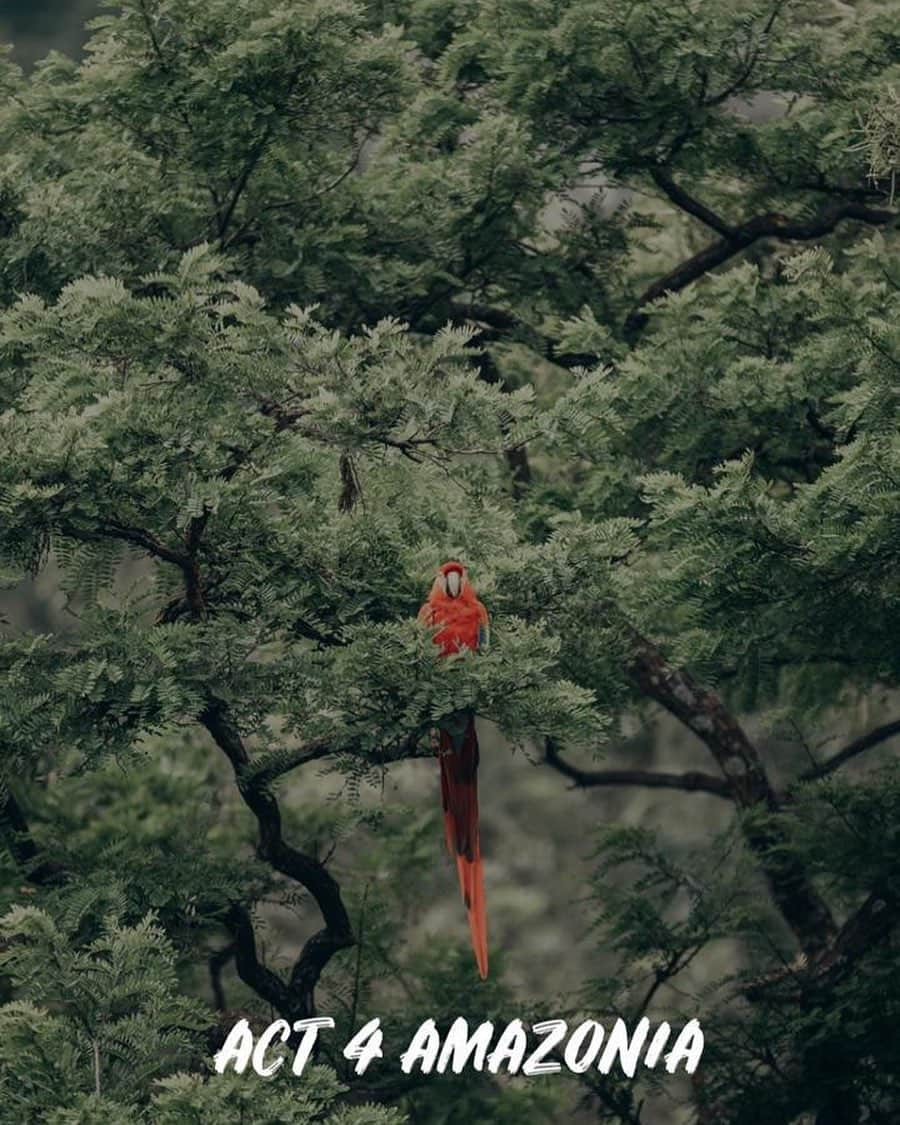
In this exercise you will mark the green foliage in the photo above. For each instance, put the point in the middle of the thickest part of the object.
(185, 1098)
(103, 1015)
(299, 300)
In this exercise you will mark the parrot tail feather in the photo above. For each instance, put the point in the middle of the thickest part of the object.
(459, 795)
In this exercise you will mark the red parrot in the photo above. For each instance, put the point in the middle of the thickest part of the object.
(462, 622)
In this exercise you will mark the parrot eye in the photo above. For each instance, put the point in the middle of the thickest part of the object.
(453, 581)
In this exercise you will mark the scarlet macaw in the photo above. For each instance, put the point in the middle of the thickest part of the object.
(462, 622)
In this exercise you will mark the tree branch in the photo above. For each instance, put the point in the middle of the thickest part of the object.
(687, 203)
(136, 536)
(870, 925)
(266, 984)
(690, 782)
(259, 774)
(146, 541)
(741, 237)
(296, 1000)
(497, 324)
(851, 750)
(217, 961)
(703, 712)
(256, 154)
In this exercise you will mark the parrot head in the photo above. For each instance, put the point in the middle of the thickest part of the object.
(452, 578)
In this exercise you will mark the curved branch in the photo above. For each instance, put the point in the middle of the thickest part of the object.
(136, 536)
(266, 984)
(691, 782)
(296, 1001)
(263, 771)
(146, 541)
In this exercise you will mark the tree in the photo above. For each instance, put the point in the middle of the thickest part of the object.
(299, 301)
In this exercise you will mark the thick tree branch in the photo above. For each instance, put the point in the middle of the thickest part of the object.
(688, 203)
(858, 746)
(870, 925)
(297, 1000)
(266, 984)
(690, 782)
(740, 237)
(703, 712)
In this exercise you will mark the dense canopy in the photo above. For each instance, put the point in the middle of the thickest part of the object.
(299, 300)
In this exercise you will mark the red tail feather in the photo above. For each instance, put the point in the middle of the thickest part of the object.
(459, 793)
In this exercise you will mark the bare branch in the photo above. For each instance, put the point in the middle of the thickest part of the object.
(690, 782)
(871, 924)
(852, 750)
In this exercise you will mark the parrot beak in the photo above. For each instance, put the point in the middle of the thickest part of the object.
(454, 581)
